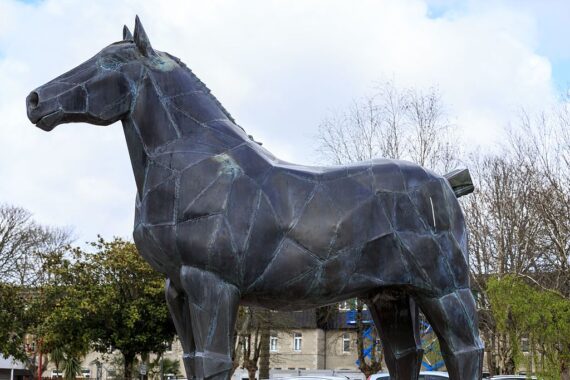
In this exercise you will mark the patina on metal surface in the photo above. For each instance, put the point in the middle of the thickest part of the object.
(229, 223)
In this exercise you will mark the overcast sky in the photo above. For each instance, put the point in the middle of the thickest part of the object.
(279, 67)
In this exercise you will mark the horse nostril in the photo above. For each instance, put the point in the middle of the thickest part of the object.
(33, 99)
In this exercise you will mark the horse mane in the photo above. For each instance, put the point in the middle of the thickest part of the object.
(204, 87)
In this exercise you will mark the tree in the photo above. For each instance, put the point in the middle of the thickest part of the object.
(12, 322)
(519, 218)
(393, 123)
(545, 142)
(541, 316)
(505, 236)
(242, 327)
(65, 328)
(25, 246)
(109, 299)
(130, 312)
(372, 363)
(253, 329)
(57, 357)
(161, 366)
(265, 333)
(250, 341)
(252, 338)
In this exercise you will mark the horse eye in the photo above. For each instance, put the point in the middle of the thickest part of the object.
(109, 63)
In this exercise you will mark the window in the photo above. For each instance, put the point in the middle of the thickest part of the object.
(273, 343)
(346, 342)
(86, 373)
(297, 341)
(111, 373)
(524, 345)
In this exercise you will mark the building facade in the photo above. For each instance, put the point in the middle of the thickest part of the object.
(11, 369)
(304, 343)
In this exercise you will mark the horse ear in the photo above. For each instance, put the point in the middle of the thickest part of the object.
(141, 39)
(127, 36)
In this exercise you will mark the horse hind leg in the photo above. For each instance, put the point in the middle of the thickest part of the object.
(453, 317)
(212, 305)
(396, 318)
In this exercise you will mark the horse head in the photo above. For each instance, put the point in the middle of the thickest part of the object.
(99, 91)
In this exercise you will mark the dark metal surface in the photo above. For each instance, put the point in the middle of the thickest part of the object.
(227, 222)
(460, 181)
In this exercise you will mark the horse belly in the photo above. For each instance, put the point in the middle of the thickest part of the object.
(329, 260)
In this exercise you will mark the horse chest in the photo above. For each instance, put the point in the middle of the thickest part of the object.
(193, 205)
(173, 195)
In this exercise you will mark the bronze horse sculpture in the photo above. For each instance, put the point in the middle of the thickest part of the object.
(229, 223)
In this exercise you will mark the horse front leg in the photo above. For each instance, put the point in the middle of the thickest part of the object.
(177, 302)
(212, 305)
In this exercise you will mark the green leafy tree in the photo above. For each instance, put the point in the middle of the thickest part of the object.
(541, 316)
(130, 312)
(109, 299)
(12, 322)
(54, 315)
(161, 366)
(66, 329)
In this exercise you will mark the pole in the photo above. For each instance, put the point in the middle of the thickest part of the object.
(41, 359)
(12, 373)
(99, 370)
(264, 343)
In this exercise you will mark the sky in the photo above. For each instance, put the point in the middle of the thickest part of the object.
(279, 67)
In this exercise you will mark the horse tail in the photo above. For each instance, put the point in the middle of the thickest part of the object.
(461, 184)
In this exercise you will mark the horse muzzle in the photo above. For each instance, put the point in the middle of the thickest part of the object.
(45, 115)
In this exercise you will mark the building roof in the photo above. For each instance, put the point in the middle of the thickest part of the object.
(9, 363)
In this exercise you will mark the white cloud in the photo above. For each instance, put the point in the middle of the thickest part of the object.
(277, 66)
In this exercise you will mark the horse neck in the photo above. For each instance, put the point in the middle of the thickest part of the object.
(171, 106)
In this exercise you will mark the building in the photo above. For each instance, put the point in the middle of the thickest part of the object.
(303, 343)
(11, 369)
